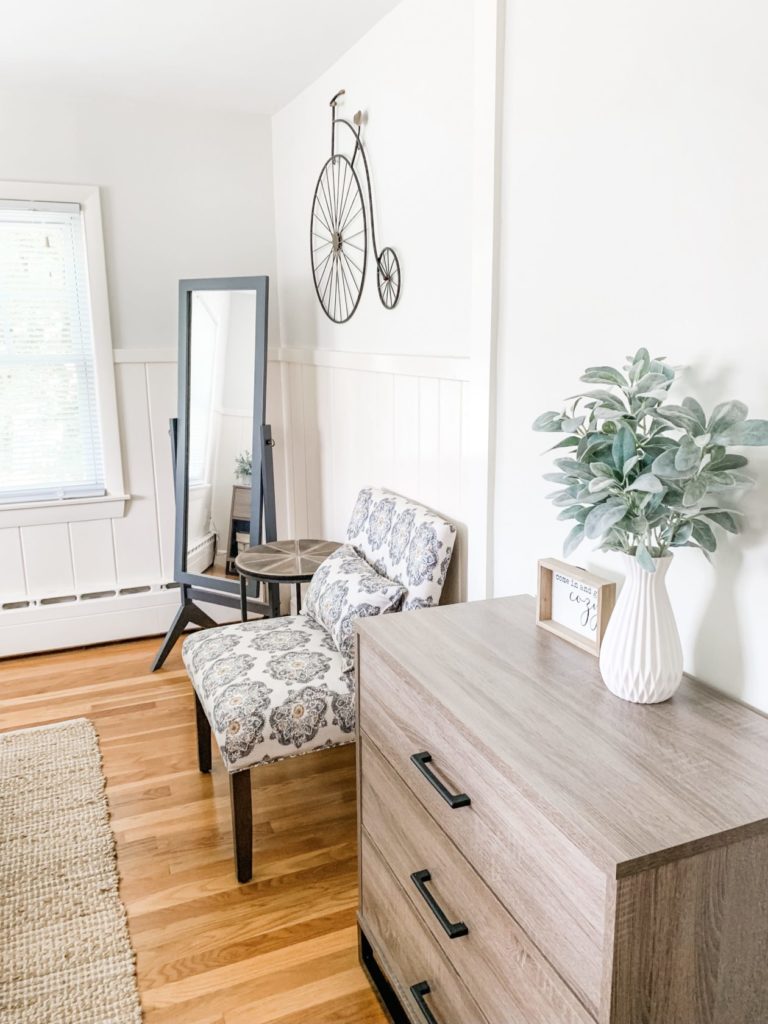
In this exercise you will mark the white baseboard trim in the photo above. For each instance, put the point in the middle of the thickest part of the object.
(82, 623)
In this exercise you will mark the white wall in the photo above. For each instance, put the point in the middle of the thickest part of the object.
(185, 193)
(412, 74)
(389, 397)
(635, 212)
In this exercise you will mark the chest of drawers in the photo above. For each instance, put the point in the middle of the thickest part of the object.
(535, 851)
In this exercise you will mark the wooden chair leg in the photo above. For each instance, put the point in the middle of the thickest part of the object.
(203, 737)
(242, 823)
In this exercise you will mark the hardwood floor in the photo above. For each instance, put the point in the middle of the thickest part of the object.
(280, 950)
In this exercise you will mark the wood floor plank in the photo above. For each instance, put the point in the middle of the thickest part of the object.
(300, 997)
(280, 950)
(355, 1008)
(269, 970)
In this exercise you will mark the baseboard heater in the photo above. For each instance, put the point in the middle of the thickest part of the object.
(98, 595)
(200, 555)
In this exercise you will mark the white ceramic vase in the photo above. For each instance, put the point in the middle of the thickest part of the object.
(641, 658)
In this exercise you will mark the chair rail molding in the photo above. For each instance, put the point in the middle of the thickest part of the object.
(402, 364)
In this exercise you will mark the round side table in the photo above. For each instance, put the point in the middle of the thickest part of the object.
(281, 561)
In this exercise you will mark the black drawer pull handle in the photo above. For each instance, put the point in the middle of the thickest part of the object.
(452, 799)
(451, 929)
(418, 992)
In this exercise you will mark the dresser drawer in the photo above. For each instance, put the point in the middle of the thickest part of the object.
(407, 951)
(498, 963)
(555, 893)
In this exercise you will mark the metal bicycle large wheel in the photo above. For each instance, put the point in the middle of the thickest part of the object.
(338, 239)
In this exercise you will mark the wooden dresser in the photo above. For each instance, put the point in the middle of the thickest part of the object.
(535, 851)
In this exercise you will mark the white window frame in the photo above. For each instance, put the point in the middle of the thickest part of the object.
(112, 504)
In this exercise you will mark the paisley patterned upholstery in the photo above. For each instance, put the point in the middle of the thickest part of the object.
(275, 688)
(271, 689)
(403, 541)
(346, 587)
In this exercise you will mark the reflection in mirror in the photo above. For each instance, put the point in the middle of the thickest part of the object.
(222, 355)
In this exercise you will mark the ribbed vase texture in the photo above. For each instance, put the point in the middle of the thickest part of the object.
(641, 658)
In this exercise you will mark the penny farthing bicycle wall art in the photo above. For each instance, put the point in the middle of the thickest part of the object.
(341, 212)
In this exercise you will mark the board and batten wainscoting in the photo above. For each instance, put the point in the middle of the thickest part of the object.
(340, 419)
(66, 584)
(396, 421)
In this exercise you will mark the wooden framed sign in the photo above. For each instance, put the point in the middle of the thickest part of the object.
(574, 604)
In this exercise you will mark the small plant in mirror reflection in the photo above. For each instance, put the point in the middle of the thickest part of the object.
(641, 475)
(244, 465)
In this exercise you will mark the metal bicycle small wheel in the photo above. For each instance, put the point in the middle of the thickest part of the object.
(388, 277)
(338, 239)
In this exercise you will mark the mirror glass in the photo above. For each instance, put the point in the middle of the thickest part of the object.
(222, 354)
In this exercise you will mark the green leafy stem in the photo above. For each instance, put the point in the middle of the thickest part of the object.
(641, 475)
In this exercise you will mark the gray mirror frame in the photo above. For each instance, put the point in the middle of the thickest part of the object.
(261, 286)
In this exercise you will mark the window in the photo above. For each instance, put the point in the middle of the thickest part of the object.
(50, 438)
(58, 424)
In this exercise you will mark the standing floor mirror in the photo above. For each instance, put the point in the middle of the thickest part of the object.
(221, 425)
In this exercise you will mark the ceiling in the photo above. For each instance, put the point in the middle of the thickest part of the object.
(249, 55)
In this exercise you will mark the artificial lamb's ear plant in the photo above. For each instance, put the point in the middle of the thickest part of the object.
(640, 475)
(244, 464)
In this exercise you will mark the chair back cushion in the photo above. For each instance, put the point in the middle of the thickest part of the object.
(347, 587)
(404, 541)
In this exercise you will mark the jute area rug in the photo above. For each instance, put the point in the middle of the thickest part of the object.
(65, 954)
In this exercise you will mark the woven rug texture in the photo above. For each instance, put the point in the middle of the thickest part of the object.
(65, 953)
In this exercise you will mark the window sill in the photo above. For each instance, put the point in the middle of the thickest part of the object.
(68, 510)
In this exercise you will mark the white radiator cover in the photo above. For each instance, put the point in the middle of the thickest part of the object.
(81, 622)
(200, 554)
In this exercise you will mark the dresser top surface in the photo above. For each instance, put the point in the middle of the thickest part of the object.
(628, 783)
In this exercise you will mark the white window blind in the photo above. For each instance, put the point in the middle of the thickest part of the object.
(50, 439)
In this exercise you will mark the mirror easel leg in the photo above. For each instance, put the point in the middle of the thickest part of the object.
(188, 614)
